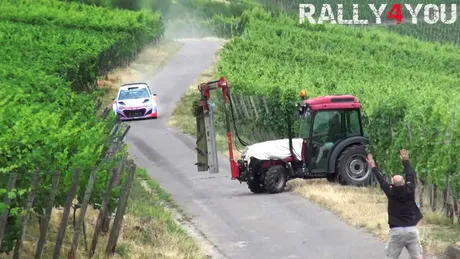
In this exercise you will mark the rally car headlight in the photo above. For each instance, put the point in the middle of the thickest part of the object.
(147, 103)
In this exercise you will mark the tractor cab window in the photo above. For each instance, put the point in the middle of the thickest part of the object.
(327, 125)
(353, 124)
(305, 122)
(327, 131)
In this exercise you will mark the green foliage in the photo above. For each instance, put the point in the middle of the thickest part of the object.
(53, 48)
(445, 33)
(209, 8)
(153, 5)
(407, 87)
(209, 14)
(144, 26)
(162, 6)
(430, 32)
(364, 11)
(12, 231)
(207, 17)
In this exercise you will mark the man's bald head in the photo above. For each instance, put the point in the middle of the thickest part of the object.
(397, 180)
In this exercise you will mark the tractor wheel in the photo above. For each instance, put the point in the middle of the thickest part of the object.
(352, 167)
(332, 178)
(275, 179)
(256, 186)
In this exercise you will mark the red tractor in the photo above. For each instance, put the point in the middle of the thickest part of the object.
(329, 144)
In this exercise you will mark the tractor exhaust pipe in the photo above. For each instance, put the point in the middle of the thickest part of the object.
(289, 124)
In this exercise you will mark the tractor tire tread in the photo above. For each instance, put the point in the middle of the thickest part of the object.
(271, 184)
(255, 186)
(340, 161)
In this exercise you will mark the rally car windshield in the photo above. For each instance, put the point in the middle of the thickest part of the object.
(138, 93)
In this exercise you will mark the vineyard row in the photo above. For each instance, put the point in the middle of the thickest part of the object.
(408, 93)
(55, 53)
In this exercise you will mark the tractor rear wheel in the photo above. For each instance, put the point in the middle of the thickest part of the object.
(352, 167)
(275, 179)
(332, 178)
(256, 185)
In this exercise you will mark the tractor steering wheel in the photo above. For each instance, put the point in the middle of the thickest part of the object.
(316, 143)
(320, 134)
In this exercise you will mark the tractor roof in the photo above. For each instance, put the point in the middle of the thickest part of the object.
(333, 102)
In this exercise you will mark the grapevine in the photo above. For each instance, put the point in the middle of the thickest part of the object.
(55, 53)
(407, 87)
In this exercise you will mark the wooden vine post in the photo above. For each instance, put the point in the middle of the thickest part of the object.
(117, 173)
(121, 208)
(89, 189)
(65, 214)
(46, 218)
(105, 201)
(101, 215)
(25, 220)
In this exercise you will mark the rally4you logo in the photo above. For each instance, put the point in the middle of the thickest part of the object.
(432, 13)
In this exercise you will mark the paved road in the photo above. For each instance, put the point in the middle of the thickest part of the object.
(241, 224)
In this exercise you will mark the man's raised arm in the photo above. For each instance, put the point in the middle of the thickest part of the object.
(376, 171)
(409, 174)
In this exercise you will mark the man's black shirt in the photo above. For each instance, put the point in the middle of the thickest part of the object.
(402, 209)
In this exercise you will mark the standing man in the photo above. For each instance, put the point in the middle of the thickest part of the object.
(403, 213)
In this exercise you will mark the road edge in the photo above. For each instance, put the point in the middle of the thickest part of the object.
(183, 220)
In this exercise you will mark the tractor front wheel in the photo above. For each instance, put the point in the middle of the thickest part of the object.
(352, 167)
(256, 185)
(275, 179)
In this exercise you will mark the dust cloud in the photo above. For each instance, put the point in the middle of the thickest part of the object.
(184, 22)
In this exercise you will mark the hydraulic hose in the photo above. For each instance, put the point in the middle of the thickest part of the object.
(234, 124)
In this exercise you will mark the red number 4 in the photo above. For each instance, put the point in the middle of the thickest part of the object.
(396, 13)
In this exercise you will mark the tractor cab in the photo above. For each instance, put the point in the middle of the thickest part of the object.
(328, 124)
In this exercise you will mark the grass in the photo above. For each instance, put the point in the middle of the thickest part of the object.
(367, 208)
(156, 233)
(149, 229)
(360, 207)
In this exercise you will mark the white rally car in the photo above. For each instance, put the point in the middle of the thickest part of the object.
(135, 101)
